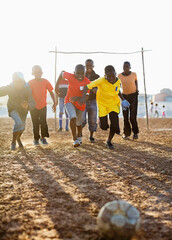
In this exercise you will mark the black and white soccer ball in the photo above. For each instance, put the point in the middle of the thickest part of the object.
(118, 220)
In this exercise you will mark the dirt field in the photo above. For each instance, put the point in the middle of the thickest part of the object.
(56, 192)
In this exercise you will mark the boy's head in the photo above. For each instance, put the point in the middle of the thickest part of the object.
(37, 71)
(89, 64)
(18, 80)
(110, 74)
(126, 67)
(80, 72)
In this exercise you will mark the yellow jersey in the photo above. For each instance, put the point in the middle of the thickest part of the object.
(107, 96)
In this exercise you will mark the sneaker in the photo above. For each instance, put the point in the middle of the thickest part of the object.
(92, 140)
(76, 143)
(135, 136)
(13, 146)
(36, 142)
(79, 139)
(109, 145)
(43, 141)
(60, 129)
(125, 137)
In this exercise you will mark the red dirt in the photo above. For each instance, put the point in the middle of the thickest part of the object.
(56, 192)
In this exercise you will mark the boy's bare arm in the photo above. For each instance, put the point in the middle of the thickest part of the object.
(121, 96)
(4, 91)
(54, 101)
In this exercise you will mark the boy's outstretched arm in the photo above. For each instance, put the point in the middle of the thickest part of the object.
(4, 91)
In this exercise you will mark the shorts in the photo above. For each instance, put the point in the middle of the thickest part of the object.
(104, 110)
(74, 112)
(19, 121)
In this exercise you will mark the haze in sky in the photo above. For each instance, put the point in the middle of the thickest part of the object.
(31, 28)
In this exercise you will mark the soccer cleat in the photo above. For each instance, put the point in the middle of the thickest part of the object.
(60, 129)
(79, 139)
(36, 142)
(13, 146)
(67, 130)
(135, 136)
(43, 141)
(76, 143)
(92, 140)
(109, 145)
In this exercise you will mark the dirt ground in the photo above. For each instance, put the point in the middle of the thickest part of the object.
(55, 192)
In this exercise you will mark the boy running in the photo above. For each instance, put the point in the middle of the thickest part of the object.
(39, 87)
(91, 105)
(19, 102)
(130, 93)
(74, 100)
(108, 101)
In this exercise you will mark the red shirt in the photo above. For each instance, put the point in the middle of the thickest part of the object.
(39, 91)
(75, 89)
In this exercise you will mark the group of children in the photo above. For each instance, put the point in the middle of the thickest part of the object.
(81, 93)
(155, 112)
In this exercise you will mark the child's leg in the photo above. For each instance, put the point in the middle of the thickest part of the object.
(18, 127)
(79, 119)
(19, 140)
(133, 113)
(35, 122)
(84, 118)
(104, 123)
(114, 125)
(73, 128)
(43, 122)
(127, 126)
(23, 118)
(71, 110)
(67, 121)
(92, 117)
(61, 108)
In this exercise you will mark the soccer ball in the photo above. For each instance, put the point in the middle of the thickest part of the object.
(118, 220)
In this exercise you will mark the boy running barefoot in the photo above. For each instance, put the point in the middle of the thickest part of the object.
(108, 102)
(74, 100)
(39, 87)
(19, 102)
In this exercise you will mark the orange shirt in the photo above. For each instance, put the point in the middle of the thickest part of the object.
(128, 83)
(39, 91)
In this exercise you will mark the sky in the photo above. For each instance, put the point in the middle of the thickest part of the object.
(32, 28)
